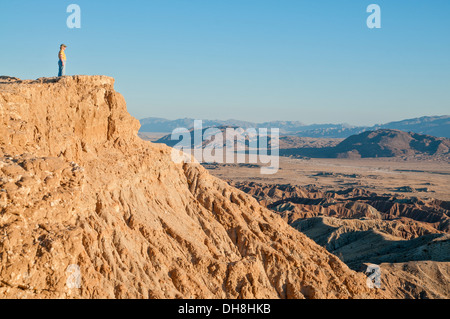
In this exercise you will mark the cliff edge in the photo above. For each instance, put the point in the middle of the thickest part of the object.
(79, 189)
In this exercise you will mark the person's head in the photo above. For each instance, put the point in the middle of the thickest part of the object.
(63, 47)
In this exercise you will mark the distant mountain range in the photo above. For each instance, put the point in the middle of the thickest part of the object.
(378, 143)
(430, 125)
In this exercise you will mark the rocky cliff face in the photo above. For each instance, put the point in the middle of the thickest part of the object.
(78, 187)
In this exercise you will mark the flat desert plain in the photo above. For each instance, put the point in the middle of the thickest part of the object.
(420, 178)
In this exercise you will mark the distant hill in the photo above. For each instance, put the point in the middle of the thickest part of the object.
(391, 143)
(430, 125)
(207, 137)
(380, 143)
(285, 141)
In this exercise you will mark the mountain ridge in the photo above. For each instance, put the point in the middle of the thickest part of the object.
(430, 125)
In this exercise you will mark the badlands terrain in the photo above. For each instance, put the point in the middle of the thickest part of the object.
(391, 212)
(79, 188)
(378, 197)
(420, 178)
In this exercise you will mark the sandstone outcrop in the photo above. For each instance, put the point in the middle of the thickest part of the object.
(78, 187)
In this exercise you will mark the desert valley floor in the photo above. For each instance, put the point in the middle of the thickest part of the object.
(425, 179)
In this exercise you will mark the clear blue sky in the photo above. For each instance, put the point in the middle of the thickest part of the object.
(313, 61)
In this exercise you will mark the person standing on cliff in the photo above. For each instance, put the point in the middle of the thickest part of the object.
(62, 60)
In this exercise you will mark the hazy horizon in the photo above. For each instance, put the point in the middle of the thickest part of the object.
(291, 120)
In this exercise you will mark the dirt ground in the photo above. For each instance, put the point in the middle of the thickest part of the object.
(424, 179)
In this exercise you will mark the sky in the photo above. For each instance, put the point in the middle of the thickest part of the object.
(312, 61)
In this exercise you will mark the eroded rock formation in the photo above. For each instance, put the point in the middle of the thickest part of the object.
(408, 237)
(78, 187)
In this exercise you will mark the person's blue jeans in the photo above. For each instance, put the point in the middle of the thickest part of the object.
(62, 68)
